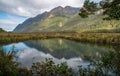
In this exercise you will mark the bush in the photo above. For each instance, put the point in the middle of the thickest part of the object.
(8, 67)
(49, 68)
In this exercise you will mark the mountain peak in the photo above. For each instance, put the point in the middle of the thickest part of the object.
(57, 9)
(68, 7)
(64, 10)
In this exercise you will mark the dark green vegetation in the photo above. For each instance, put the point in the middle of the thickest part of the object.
(49, 68)
(109, 64)
(88, 8)
(100, 38)
(1, 30)
(110, 8)
(7, 65)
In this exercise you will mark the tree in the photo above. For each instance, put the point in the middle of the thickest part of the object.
(83, 13)
(111, 8)
(88, 8)
(1, 30)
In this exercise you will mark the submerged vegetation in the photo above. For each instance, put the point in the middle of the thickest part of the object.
(107, 65)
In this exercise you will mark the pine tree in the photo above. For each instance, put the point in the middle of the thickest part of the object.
(111, 9)
(88, 8)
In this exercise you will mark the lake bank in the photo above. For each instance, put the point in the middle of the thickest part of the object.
(99, 38)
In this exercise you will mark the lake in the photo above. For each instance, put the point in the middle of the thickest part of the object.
(60, 50)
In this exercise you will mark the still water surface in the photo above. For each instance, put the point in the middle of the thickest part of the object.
(60, 50)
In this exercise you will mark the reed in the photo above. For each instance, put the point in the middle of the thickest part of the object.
(100, 38)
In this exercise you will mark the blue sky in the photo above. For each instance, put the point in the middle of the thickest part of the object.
(14, 12)
(8, 22)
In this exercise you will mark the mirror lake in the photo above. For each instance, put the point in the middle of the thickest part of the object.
(60, 50)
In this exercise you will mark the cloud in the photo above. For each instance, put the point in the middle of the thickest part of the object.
(19, 10)
(31, 8)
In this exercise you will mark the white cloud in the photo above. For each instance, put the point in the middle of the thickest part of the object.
(30, 8)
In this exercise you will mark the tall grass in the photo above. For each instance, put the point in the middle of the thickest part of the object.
(100, 38)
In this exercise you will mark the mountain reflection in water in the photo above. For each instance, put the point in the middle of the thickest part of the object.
(60, 50)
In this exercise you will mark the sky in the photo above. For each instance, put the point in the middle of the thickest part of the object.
(14, 12)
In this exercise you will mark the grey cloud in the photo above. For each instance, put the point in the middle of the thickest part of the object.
(30, 8)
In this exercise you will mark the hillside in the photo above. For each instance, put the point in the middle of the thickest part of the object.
(1, 30)
(94, 23)
(48, 21)
(66, 19)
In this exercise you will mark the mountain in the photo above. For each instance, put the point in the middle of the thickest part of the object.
(56, 17)
(67, 19)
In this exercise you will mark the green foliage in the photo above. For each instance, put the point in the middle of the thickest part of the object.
(107, 65)
(7, 66)
(49, 68)
(83, 13)
(111, 8)
(88, 8)
(1, 30)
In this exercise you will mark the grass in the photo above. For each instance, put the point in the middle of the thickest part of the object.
(99, 38)
(93, 23)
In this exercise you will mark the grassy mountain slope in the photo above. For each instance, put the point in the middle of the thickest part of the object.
(48, 25)
(47, 21)
(93, 23)
(67, 19)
